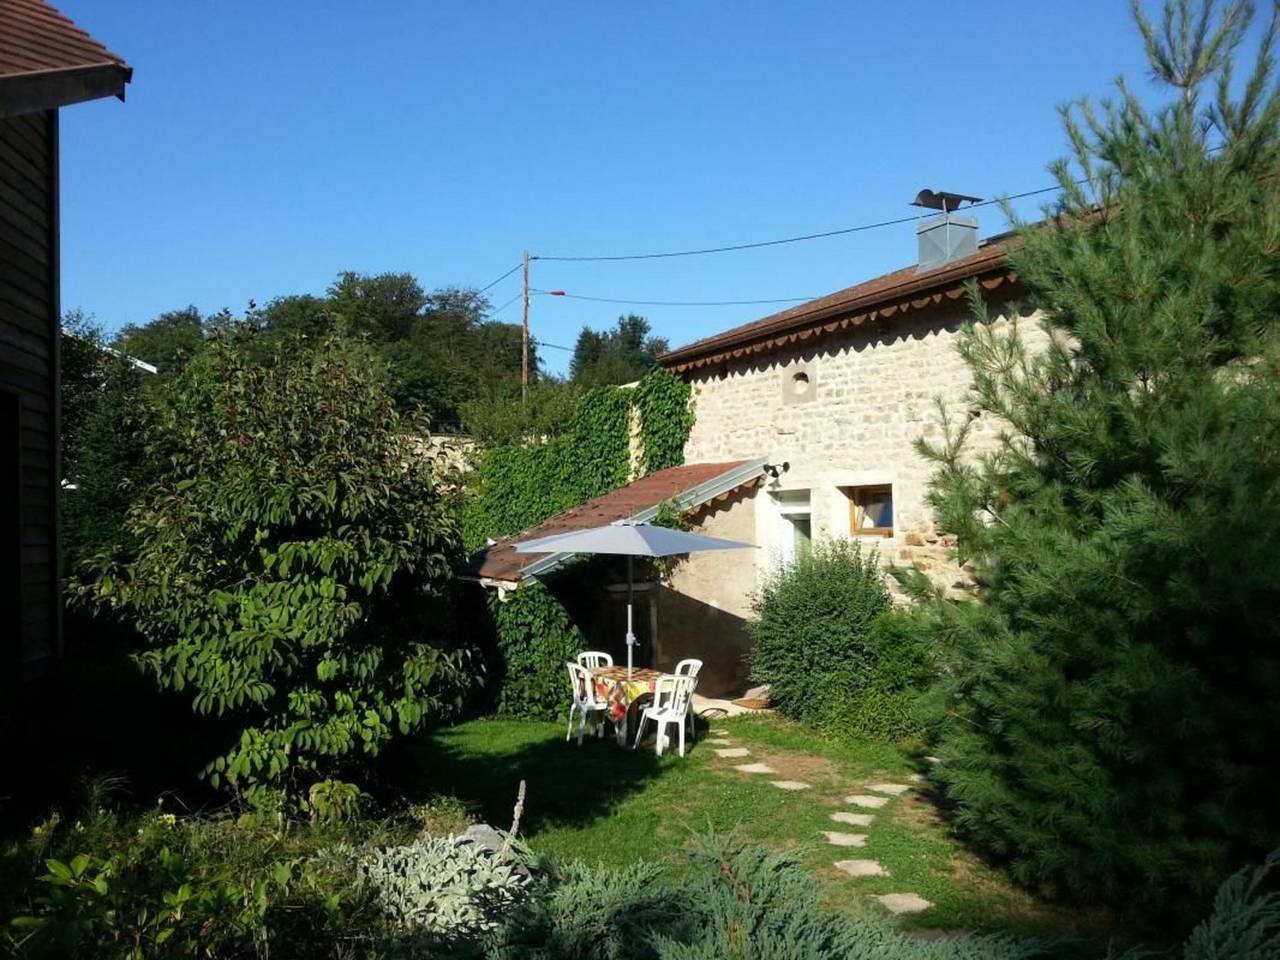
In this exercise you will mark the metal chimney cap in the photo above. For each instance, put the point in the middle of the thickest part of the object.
(942, 200)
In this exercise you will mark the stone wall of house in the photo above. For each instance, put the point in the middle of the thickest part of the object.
(844, 411)
(702, 609)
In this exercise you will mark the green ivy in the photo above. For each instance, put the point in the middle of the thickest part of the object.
(534, 638)
(665, 403)
(515, 487)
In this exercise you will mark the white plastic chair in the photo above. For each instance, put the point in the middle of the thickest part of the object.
(585, 702)
(671, 698)
(595, 659)
(689, 668)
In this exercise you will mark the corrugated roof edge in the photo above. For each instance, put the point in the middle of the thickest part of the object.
(693, 497)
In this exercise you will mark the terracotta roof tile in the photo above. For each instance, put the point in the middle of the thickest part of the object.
(501, 562)
(34, 37)
(899, 291)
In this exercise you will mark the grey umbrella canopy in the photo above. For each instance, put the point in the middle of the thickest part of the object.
(629, 540)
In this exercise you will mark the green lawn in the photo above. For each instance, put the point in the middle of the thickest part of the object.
(604, 804)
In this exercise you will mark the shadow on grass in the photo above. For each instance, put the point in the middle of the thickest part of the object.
(482, 763)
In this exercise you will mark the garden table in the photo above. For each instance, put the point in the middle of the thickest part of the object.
(620, 693)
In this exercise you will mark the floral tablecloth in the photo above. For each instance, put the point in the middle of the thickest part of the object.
(613, 687)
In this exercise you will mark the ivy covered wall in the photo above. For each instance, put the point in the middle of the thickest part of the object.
(532, 633)
(515, 487)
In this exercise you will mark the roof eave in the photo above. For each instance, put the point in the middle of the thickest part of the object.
(693, 497)
(39, 90)
(757, 339)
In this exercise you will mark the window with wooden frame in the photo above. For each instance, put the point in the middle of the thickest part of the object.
(870, 510)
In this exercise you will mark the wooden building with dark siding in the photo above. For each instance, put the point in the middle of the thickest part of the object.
(46, 62)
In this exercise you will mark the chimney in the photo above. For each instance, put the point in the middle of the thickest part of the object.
(948, 237)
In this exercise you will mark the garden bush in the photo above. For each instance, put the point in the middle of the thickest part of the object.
(534, 637)
(112, 885)
(121, 886)
(880, 699)
(289, 563)
(1113, 702)
(437, 884)
(816, 630)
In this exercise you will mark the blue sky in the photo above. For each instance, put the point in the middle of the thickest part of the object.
(265, 147)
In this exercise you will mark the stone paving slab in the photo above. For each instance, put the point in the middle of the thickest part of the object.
(790, 784)
(917, 778)
(733, 752)
(853, 819)
(862, 800)
(755, 768)
(861, 868)
(899, 903)
(893, 789)
(836, 838)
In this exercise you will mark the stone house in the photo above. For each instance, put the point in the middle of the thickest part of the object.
(833, 395)
(809, 417)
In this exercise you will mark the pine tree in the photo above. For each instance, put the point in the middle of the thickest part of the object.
(1113, 700)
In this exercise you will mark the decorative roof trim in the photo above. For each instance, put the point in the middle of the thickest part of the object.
(864, 303)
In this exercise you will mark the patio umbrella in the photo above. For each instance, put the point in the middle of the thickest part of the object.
(629, 540)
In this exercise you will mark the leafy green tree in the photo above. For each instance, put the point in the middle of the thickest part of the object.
(166, 342)
(291, 559)
(440, 350)
(296, 315)
(85, 364)
(497, 416)
(1113, 702)
(621, 355)
(101, 449)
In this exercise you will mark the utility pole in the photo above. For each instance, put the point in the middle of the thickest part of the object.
(524, 337)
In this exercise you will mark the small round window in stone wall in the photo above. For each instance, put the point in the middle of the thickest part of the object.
(798, 386)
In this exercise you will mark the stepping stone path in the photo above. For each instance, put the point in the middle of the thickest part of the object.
(893, 789)
(861, 868)
(895, 903)
(899, 903)
(838, 839)
(862, 800)
(879, 795)
(853, 819)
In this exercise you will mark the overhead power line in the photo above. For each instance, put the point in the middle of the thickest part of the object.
(774, 243)
(494, 313)
(671, 303)
(553, 346)
(501, 278)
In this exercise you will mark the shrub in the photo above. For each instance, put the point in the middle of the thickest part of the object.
(736, 900)
(880, 699)
(291, 559)
(1114, 701)
(120, 887)
(441, 885)
(816, 626)
(534, 638)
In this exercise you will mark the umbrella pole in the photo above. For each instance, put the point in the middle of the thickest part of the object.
(631, 637)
